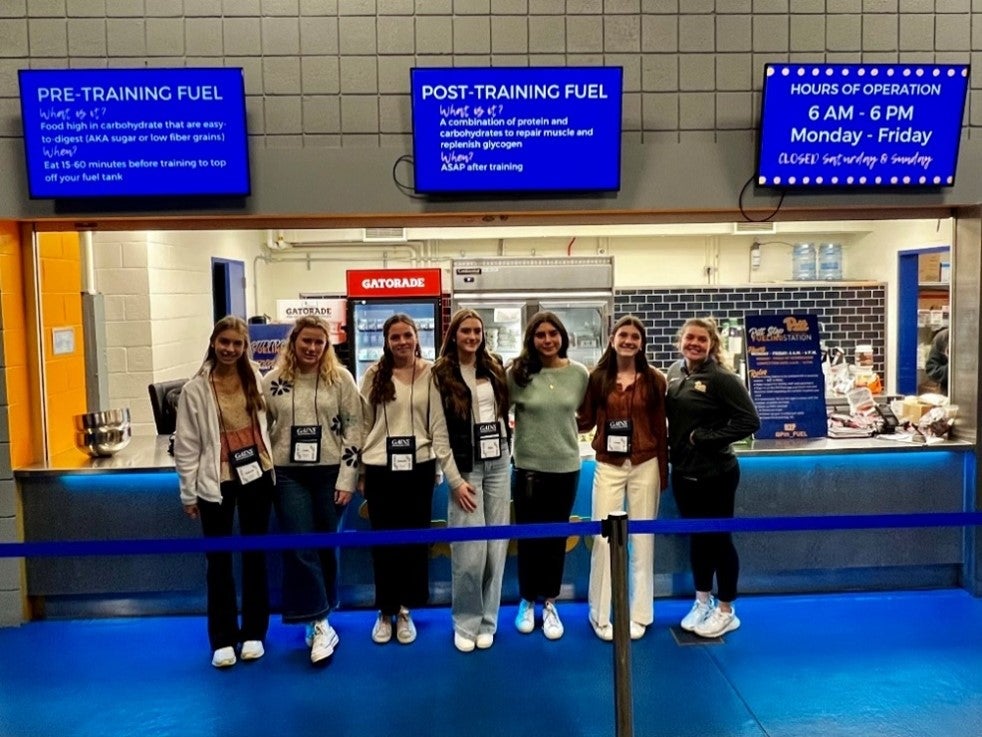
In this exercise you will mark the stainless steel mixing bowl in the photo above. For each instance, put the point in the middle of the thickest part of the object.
(103, 433)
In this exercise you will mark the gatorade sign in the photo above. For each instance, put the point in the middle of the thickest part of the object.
(368, 283)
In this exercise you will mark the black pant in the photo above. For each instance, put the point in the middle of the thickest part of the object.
(710, 552)
(542, 497)
(400, 500)
(254, 502)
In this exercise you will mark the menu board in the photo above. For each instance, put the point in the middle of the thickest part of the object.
(516, 129)
(861, 125)
(784, 367)
(134, 132)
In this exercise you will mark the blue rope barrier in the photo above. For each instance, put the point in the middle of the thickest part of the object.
(361, 539)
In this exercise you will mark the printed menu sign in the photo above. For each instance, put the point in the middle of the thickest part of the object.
(784, 366)
(134, 132)
(861, 125)
(516, 129)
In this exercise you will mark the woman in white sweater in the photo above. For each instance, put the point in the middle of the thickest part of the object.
(405, 435)
(315, 425)
(222, 454)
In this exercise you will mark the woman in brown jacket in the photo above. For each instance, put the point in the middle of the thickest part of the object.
(625, 401)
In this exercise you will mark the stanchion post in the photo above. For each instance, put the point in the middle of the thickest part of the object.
(614, 528)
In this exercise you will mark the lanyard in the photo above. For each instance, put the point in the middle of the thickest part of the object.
(293, 403)
(221, 418)
(412, 419)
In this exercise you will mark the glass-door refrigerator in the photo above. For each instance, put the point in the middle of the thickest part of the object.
(374, 295)
(506, 292)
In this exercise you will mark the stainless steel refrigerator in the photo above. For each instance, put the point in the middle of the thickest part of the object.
(506, 292)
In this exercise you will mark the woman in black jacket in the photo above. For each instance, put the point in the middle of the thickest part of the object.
(474, 393)
(708, 409)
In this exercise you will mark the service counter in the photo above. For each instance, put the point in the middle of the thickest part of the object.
(133, 495)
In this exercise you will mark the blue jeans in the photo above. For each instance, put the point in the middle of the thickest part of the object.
(305, 504)
(477, 566)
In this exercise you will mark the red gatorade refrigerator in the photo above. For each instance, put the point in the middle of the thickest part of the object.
(374, 295)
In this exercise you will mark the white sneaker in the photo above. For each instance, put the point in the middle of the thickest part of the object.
(464, 644)
(718, 623)
(308, 636)
(698, 614)
(382, 631)
(252, 650)
(604, 631)
(484, 640)
(223, 657)
(525, 619)
(324, 642)
(552, 625)
(405, 629)
(637, 630)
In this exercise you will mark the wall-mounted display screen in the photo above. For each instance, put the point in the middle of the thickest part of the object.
(514, 129)
(861, 125)
(134, 132)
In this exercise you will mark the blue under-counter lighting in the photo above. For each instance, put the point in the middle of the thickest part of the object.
(119, 481)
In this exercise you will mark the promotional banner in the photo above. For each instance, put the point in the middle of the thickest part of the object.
(265, 341)
(333, 310)
(784, 366)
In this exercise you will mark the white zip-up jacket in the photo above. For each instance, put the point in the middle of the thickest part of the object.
(198, 439)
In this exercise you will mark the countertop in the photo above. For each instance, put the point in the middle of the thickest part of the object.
(146, 454)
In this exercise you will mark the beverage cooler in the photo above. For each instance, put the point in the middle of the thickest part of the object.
(374, 295)
(506, 292)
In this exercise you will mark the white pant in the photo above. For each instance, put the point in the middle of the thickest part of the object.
(642, 487)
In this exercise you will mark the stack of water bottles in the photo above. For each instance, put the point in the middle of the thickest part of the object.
(816, 263)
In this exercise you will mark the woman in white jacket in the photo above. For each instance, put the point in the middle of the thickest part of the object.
(222, 454)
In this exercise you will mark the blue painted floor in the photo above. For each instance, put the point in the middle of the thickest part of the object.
(872, 664)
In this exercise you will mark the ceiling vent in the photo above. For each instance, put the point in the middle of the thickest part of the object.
(384, 235)
(752, 228)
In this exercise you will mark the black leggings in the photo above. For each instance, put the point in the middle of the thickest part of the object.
(710, 552)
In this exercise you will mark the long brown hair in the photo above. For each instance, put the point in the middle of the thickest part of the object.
(528, 362)
(708, 324)
(287, 360)
(603, 378)
(383, 390)
(446, 370)
(243, 366)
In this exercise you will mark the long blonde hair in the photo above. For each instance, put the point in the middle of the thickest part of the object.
(286, 361)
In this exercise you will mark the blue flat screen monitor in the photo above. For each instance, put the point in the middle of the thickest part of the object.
(861, 125)
(555, 129)
(134, 132)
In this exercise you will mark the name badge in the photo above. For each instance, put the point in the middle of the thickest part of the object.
(618, 436)
(305, 443)
(487, 440)
(245, 463)
(401, 450)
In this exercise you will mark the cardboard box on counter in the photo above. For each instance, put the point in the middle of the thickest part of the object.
(929, 267)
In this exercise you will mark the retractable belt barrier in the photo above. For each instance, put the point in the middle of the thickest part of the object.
(360, 538)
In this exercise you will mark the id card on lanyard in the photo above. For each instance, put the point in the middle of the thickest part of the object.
(487, 440)
(305, 440)
(245, 463)
(618, 436)
(400, 450)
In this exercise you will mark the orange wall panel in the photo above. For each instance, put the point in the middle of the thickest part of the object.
(21, 413)
(61, 300)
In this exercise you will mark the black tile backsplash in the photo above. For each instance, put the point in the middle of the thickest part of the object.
(848, 314)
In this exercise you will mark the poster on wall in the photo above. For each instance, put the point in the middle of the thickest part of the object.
(784, 366)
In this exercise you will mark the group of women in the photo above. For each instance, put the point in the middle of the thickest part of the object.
(304, 439)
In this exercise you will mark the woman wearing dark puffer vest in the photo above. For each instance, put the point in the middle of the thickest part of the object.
(474, 393)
